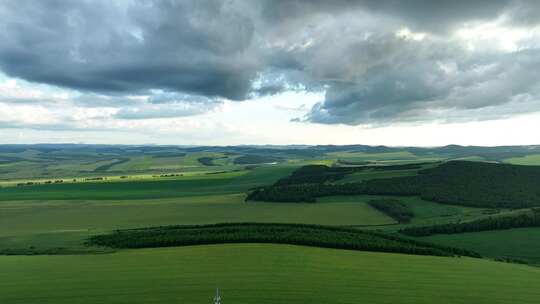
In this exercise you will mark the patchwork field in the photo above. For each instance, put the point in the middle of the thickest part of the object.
(54, 199)
(150, 188)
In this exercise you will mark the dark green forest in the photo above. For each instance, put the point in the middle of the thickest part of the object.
(522, 220)
(295, 234)
(320, 173)
(207, 161)
(465, 183)
(394, 208)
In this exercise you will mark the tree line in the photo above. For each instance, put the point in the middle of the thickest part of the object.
(396, 209)
(321, 173)
(295, 234)
(521, 220)
(309, 192)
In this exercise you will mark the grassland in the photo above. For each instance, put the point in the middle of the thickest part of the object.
(530, 160)
(356, 156)
(519, 243)
(36, 165)
(170, 186)
(67, 223)
(189, 185)
(425, 212)
(252, 273)
(46, 224)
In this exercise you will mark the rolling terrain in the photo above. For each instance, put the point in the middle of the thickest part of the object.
(55, 198)
(249, 273)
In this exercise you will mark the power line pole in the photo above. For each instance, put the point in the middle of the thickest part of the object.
(217, 298)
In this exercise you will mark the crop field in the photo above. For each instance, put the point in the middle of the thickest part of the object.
(253, 273)
(54, 200)
(67, 223)
(150, 188)
(269, 152)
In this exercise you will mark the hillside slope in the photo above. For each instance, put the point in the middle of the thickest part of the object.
(263, 274)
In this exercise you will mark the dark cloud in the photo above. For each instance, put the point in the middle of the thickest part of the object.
(421, 90)
(425, 15)
(201, 47)
(185, 57)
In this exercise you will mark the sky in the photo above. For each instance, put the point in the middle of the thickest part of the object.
(231, 72)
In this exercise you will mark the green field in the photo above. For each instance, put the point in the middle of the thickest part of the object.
(66, 223)
(252, 273)
(189, 185)
(519, 243)
(44, 229)
(46, 224)
(352, 156)
(531, 160)
(426, 212)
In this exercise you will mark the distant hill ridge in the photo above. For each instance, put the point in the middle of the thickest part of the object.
(450, 151)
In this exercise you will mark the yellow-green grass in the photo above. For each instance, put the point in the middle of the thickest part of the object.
(66, 223)
(122, 189)
(80, 165)
(373, 156)
(304, 162)
(471, 158)
(531, 160)
(141, 163)
(147, 162)
(140, 189)
(425, 212)
(385, 158)
(263, 273)
(84, 164)
(169, 175)
(48, 224)
(166, 163)
(519, 243)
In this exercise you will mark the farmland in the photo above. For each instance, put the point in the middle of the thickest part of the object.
(66, 223)
(274, 152)
(54, 199)
(248, 273)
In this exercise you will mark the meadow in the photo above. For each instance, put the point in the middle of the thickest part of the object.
(531, 160)
(51, 224)
(255, 273)
(45, 226)
(218, 182)
(520, 243)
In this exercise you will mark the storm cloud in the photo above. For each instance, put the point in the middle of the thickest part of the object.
(377, 61)
(114, 47)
